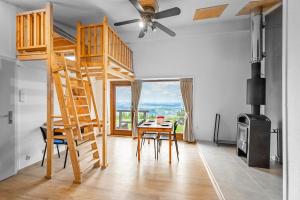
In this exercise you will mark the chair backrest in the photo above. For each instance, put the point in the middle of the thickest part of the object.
(175, 126)
(141, 122)
(44, 133)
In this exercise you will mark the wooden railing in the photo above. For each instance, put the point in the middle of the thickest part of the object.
(92, 45)
(30, 31)
(91, 40)
(118, 49)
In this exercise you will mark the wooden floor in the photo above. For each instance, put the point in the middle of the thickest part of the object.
(123, 179)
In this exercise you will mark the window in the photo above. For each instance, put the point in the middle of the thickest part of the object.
(123, 105)
(162, 98)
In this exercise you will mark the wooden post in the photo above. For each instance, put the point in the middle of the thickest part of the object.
(49, 43)
(104, 96)
(78, 45)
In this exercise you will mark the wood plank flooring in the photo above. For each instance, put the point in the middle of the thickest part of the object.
(123, 179)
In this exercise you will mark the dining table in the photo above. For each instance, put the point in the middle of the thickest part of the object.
(154, 126)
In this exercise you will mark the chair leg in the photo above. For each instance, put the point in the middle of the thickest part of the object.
(159, 146)
(177, 151)
(44, 155)
(154, 149)
(66, 157)
(58, 150)
(140, 148)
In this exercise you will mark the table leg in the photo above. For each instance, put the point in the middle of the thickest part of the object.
(139, 146)
(170, 147)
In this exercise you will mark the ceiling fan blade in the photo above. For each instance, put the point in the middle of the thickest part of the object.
(138, 6)
(142, 33)
(126, 22)
(167, 13)
(165, 29)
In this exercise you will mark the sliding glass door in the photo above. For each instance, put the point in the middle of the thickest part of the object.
(121, 116)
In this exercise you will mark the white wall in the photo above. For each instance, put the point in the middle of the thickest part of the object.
(8, 30)
(32, 112)
(218, 60)
(291, 99)
(31, 78)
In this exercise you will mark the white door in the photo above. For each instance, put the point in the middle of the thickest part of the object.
(7, 122)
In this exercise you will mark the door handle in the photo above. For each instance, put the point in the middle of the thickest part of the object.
(9, 116)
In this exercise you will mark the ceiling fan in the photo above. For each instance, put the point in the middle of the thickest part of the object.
(148, 15)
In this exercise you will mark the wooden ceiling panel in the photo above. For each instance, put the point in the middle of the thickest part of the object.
(149, 3)
(209, 12)
(252, 5)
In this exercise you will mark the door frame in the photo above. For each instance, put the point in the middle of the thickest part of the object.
(113, 131)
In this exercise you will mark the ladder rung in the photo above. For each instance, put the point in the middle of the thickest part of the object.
(73, 69)
(86, 124)
(89, 164)
(77, 96)
(75, 78)
(60, 137)
(87, 134)
(88, 153)
(82, 106)
(83, 115)
(82, 97)
(87, 144)
(77, 87)
(72, 78)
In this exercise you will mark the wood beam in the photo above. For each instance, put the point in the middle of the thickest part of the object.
(252, 5)
(209, 12)
(49, 44)
(104, 96)
(122, 75)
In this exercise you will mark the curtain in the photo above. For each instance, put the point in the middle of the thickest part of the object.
(136, 88)
(186, 87)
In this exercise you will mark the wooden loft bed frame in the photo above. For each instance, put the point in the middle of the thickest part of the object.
(100, 47)
(32, 30)
(97, 49)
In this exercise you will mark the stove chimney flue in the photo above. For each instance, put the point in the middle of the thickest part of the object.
(256, 35)
(256, 86)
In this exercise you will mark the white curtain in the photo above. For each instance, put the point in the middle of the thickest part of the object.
(136, 88)
(186, 86)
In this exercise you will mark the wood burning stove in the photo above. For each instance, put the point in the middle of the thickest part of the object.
(253, 139)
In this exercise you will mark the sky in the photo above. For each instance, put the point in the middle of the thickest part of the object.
(153, 92)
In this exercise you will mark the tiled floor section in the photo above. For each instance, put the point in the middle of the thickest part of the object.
(236, 180)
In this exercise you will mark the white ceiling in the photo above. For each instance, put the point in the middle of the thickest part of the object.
(68, 12)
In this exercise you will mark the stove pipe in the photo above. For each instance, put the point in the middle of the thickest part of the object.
(256, 86)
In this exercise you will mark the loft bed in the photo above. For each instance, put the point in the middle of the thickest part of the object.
(99, 45)
(31, 35)
(98, 53)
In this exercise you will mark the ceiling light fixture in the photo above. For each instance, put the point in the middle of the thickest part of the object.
(141, 24)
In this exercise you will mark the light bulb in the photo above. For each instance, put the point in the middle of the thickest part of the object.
(141, 24)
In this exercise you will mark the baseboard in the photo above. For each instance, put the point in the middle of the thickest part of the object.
(211, 176)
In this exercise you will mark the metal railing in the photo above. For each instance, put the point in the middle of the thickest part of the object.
(125, 124)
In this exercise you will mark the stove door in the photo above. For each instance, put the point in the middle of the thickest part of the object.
(242, 140)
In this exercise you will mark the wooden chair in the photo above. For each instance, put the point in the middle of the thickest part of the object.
(165, 136)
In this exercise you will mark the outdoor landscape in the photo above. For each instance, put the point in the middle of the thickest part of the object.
(157, 99)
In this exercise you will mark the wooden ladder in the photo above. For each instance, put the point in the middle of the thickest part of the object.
(76, 114)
